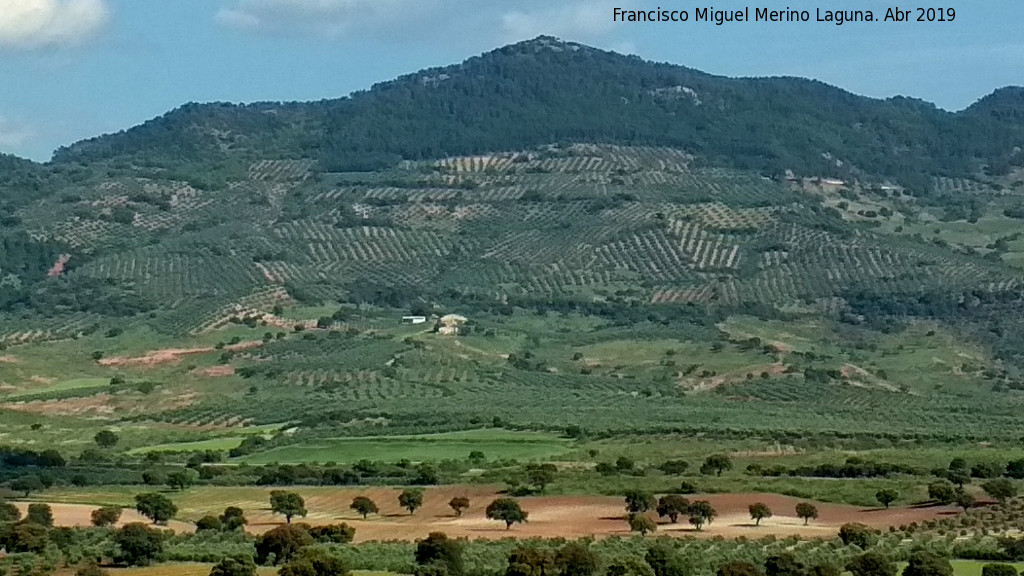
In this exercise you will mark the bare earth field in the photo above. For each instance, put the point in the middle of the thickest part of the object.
(80, 515)
(549, 516)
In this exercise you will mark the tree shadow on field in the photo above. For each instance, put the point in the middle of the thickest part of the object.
(275, 524)
(677, 527)
(396, 515)
(494, 530)
(622, 518)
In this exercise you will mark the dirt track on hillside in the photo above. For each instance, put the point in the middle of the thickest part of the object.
(170, 355)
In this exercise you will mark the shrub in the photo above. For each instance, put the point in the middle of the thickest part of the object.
(106, 516)
(998, 570)
(854, 533)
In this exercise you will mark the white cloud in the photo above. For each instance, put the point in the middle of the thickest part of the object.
(29, 24)
(579, 20)
(13, 135)
(329, 18)
(237, 18)
(469, 22)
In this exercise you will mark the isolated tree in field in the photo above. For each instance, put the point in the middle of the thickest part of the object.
(437, 549)
(138, 544)
(858, 534)
(540, 475)
(807, 511)
(1002, 489)
(9, 512)
(241, 565)
(364, 506)
(871, 564)
(926, 563)
(283, 542)
(673, 506)
(701, 513)
(156, 507)
(642, 524)
(674, 467)
(784, 564)
(716, 464)
(105, 516)
(886, 496)
(738, 569)
(411, 500)
(288, 504)
(180, 479)
(942, 492)
(233, 518)
(333, 533)
(209, 523)
(458, 504)
(105, 439)
(27, 485)
(507, 510)
(965, 500)
(759, 511)
(998, 570)
(40, 514)
(639, 501)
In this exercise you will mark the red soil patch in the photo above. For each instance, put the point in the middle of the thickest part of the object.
(217, 371)
(171, 355)
(58, 267)
(567, 516)
(97, 405)
(72, 515)
(105, 405)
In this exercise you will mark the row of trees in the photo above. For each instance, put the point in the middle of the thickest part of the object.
(699, 512)
(291, 504)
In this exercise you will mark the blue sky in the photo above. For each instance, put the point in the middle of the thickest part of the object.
(71, 69)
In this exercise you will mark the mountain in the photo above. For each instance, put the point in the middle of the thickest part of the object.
(544, 173)
(622, 236)
(545, 91)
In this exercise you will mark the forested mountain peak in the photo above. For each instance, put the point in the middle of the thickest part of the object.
(546, 90)
(1009, 100)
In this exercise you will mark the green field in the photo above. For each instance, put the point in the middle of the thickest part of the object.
(63, 386)
(221, 444)
(973, 568)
